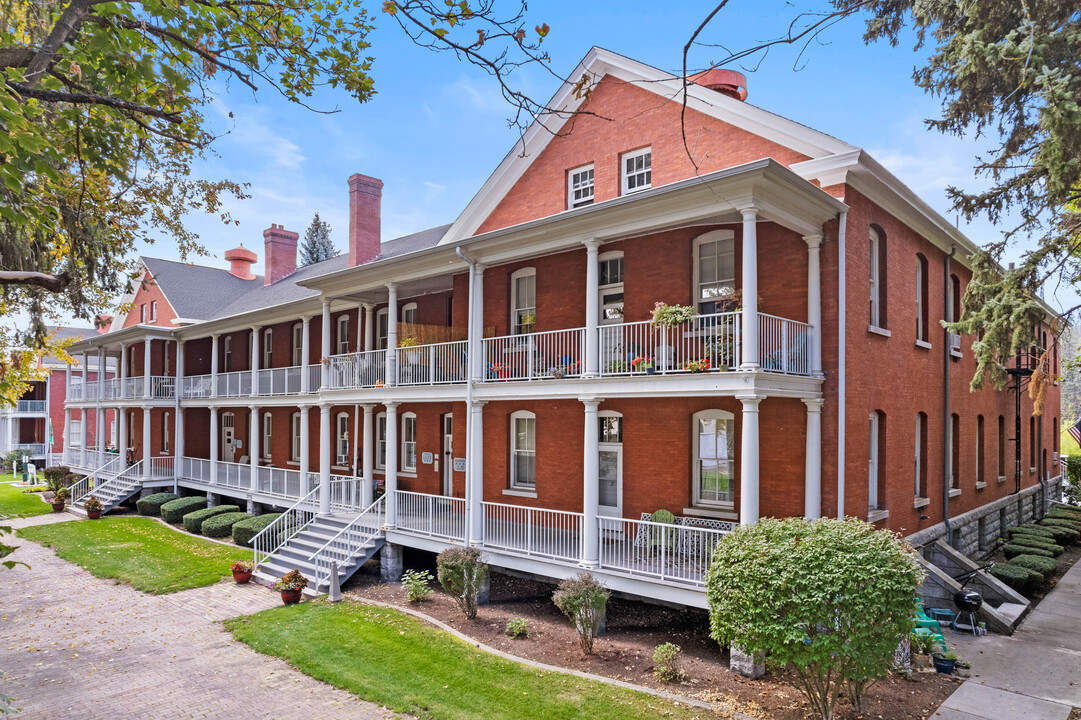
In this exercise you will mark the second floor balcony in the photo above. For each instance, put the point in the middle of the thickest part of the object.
(27, 407)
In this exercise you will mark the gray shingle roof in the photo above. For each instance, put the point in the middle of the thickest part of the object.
(63, 333)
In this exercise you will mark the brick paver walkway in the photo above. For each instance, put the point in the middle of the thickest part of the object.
(76, 647)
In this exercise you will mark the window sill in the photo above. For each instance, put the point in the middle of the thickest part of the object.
(520, 493)
(981, 485)
(874, 516)
(1032, 471)
(1002, 478)
(874, 329)
(921, 502)
(954, 492)
(716, 514)
(923, 344)
(957, 354)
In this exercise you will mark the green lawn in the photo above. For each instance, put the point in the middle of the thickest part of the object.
(13, 501)
(139, 551)
(392, 659)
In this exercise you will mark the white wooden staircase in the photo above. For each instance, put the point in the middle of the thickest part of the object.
(112, 484)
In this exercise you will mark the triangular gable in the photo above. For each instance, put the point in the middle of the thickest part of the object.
(599, 63)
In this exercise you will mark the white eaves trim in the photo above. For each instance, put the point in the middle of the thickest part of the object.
(599, 62)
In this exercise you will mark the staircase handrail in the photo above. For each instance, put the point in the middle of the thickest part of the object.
(345, 547)
(81, 489)
(262, 540)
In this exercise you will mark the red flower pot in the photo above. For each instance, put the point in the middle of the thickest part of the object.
(93, 514)
(58, 506)
(291, 597)
(241, 577)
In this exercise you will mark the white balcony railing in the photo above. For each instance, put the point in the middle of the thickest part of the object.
(433, 364)
(784, 345)
(705, 343)
(279, 381)
(281, 482)
(356, 370)
(661, 550)
(36, 450)
(233, 475)
(197, 469)
(234, 384)
(197, 386)
(434, 516)
(533, 531)
(535, 356)
(29, 407)
(162, 468)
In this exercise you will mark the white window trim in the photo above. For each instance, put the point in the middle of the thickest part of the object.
(873, 504)
(921, 331)
(407, 309)
(268, 435)
(604, 289)
(294, 441)
(875, 293)
(624, 176)
(227, 354)
(710, 237)
(165, 434)
(76, 439)
(382, 319)
(268, 348)
(514, 307)
(142, 313)
(405, 442)
(341, 420)
(153, 310)
(696, 473)
(571, 186)
(342, 335)
(298, 344)
(380, 440)
(514, 482)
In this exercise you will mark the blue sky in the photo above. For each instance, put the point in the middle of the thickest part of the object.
(436, 127)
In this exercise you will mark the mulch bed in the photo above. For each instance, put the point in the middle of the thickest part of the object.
(625, 653)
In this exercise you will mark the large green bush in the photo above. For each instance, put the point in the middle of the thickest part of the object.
(1038, 542)
(175, 510)
(825, 603)
(1044, 565)
(1018, 577)
(245, 530)
(583, 599)
(1072, 487)
(151, 504)
(193, 521)
(462, 574)
(222, 525)
(1012, 551)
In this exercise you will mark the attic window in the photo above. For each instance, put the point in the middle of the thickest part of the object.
(580, 186)
(153, 310)
(637, 170)
(142, 313)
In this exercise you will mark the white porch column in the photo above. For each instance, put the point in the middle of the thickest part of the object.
(254, 360)
(748, 461)
(178, 443)
(476, 323)
(214, 366)
(305, 458)
(324, 459)
(592, 365)
(122, 434)
(67, 431)
(305, 349)
(814, 300)
(83, 429)
(146, 443)
(179, 368)
(101, 375)
(324, 341)
(100, 433)
(812, 501)
(474, 492)
(590, 486)
(123, 374)
(215, 433)
(392, 338)
(750, 290)
(147, 345)
(368, 457)
(253, 445)
(391, 472)
(369, 327)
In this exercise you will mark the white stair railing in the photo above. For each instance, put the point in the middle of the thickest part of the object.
(271, 538)
(349, 541)
(127, 479)
(103, 474)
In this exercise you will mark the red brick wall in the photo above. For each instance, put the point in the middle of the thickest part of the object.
(147, 292)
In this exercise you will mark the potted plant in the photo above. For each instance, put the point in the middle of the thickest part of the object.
(242, 570)
(643, 363)
(697, 366)
(59, 498)
(944, 662)
(501, 370)
(671, 316)
(412, 357)
(923, 645)
(291, 585)
(93, 508)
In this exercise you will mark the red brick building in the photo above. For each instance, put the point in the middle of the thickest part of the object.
(499, 379)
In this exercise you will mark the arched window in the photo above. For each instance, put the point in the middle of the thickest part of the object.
(523, 450)
(714, 271)
(523, 301)
(953, 312)
(409, 442)
(877, 268)
(268, 434)
(341, 440)
(298, 344)
(921, 298)
(409, 313)
(714, 440)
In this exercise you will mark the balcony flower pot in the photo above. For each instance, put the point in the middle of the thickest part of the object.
(291, 597)
(651, 370)
(943, 664)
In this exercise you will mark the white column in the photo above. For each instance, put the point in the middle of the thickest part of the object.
(368, 457)
(590, 486)
(67, 436)
(748, 461)
(476, 323)
(146, 443)
(592, 310)
(305, 449)
(474, 492)
(369, 327)
(122, 433)
(305, 349)
(391, 470)
(325, 340)
(324, 459)
(750, 289)
(100, 433)
(215, 433)
(179, 367)
(392, 338)
(253, 446)
(812, 501)
(254, 359)
(147, 345)
(123, 363)
(214, 366)
(84, 422)
(101, 374)
(178, 444)
(814, 300)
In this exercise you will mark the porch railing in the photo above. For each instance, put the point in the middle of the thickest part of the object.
(197, 469)
(197, 386)
(162, 468)
(707, 342)
(533, 531)
(344, 547)
(234, 475)
(356, 370)
(234, 384)
(280, 481)
(279, 381)
(784, 345)
(36, 450)
(345, 492)
(101, 475)
(433, 364)
(292, 521)
(662, 550)
(435, 516)
(535, 356)
(30, 406)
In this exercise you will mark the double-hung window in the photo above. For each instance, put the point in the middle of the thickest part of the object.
(153, 310)
(382, 327)
(875, 292)
(523, 300)
(381, 440)
(341, 452)
(580, 187)
(409, 442)
(714, 459)
(343, 334)
(294, 452)
(714, 270)
(268, 434)
(409, 313)
(268, 348)
(610, 267)
(165, 433)
(298, 344)
(76, 439)
(523, 451)
(637, 169)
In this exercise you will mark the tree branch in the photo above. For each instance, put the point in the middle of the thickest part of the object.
(66, 26)
(11, 57)
(94, 99)
(47, 281)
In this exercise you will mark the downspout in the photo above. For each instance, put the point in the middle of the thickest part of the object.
(471, 358)
(842, 224)
(947, 432)
(1041, 471)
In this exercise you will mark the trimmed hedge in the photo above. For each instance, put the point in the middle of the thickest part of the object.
(1059, 535)
(193, 521)
(1036, 541)
(1036, 563)
(1073, 527)
(1018, 577)
(1013, 551)
(1031, 528)
(175, 510)
(221, 525)
(245, 530)
(151, 504)
(1060, 513)
(1074, 509)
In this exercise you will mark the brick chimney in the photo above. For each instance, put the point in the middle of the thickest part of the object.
(365, 194)
(281, 253)
(240, 261)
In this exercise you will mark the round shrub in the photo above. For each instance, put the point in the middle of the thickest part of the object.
(1043, 565)
(245, 530)
(193, 521)
(1018, 577)
(462, 574)
(222, 525)
(583, 600)
(1013, 551)
(175, 510)
(151, 504)
(1037, 542)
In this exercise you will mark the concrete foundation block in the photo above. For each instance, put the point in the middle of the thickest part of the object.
(483, 597)
(390, 563)
(746, 665)
(211, 500)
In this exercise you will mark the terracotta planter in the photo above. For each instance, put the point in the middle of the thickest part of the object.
(93, 514)
(241, 577)
(291, 597)
(58, 506)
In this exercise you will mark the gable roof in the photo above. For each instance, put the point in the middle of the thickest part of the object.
(197, 292)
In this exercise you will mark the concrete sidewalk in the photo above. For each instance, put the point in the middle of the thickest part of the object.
(1035, 674)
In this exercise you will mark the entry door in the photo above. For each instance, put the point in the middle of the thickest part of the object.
(448, 454)
(228, 438)
(610, 491)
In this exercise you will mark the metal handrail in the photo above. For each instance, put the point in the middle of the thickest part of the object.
(346, 543)
(259, 542)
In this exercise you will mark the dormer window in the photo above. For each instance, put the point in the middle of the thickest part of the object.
(580, 187)
(637, 170)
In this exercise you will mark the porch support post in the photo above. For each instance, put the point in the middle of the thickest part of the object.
(123, 366)
(324, 344)
(476, 323)
(474, 493)
(178, 450)
(812, 502)
(146, 444)
(215, 433)
(814, 301)
(254, 360)
(392, 462)
(392, 344)
(179, 368)
(748, 466)
(305, 356)
(367, 488)
(67, 430)
(590, 486)
(324, 459)
(305, 451)
(148, 345)
(122, 433)
(83, 423)
(214, 366)
(592, 359)
(750, 290)
(100, 432)
(253, 445)
(369, 327)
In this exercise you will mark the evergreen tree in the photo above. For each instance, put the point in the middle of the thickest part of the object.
(317, 246)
